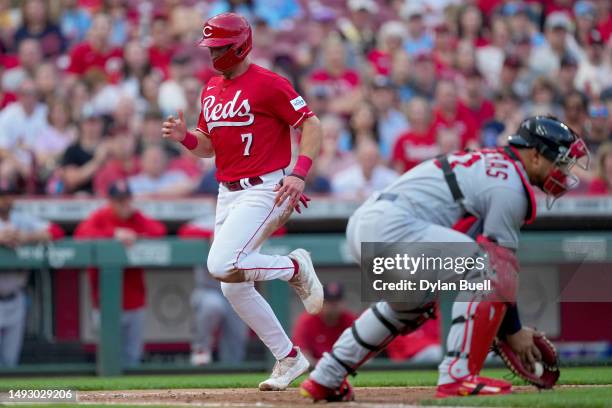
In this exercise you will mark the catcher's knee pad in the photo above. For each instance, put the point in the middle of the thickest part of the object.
(374, 330)
(474, 327)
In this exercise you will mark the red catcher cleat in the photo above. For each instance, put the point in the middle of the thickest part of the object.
(474, 385)
(318, 392)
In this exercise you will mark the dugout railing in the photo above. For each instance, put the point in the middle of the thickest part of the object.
(328, 250)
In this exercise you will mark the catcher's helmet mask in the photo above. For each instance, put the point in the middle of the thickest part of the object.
(228, 29)
(560, 145)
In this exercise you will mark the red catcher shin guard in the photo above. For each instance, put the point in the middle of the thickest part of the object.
(487, 319)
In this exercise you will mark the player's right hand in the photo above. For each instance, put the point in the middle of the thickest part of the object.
(175, 129)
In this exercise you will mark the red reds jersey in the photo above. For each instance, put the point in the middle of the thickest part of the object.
(102, 224)
(247, 119)
(315, 337)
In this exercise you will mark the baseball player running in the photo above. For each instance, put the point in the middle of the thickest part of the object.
(485, 194)
(244, 123)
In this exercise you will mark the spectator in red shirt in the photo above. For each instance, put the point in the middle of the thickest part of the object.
(96, 51)
(602, 183)
(316, 334)
(419, 143)
(335, 83)
(162, 48)
(454, 127)
(420, 346)
(390, 40)
(121, 221)
(474, 104)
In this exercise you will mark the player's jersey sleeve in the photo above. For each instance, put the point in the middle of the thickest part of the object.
(505, 211)
(285, 103)
(202, 126)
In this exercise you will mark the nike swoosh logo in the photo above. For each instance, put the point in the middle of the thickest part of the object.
(208, 88)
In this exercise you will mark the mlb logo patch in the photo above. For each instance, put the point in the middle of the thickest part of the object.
(298, 103)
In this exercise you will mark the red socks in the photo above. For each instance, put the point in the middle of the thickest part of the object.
(296, 268)
(292, 353)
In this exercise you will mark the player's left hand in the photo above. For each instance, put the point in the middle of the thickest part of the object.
(290, 188)
(523, 345)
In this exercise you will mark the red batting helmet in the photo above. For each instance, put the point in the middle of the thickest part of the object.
(228, 29)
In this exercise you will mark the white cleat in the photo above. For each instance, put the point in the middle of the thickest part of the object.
(306, 284)
(285, 371)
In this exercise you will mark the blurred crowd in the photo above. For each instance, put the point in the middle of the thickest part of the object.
(85, 85)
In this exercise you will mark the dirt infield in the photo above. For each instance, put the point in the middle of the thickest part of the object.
(396, 397)
(246, 397)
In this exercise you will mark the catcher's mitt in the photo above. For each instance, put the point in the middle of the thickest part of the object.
(550, 362)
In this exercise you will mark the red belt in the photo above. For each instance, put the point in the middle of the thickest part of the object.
(242, 184)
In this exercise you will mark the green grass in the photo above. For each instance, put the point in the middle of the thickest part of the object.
(582, 375)
(562, 398)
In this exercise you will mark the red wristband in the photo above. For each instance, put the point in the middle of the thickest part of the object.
(302, 166)
(190, 141)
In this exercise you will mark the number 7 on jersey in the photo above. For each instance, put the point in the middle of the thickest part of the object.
(249, 140)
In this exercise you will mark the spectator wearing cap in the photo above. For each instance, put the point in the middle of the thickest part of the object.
(599, 127)
(123, 162)
(16, 228)
(443, 50)
(419, 143)
(358, 27)
(97, 51)
(602, 182)
(521, 22)
(418, 40)
(595, 71)
(416, 79)
(156, 179)
(454, 127)
(37, 25)
(335, 82)
(367, 176)
(86, 156)
(546, 59)
(508, 117)
(566, 77)
(513, 77)
(316, 334)
(391, 122)
(474, 104)
(389, 41)
(119, 220)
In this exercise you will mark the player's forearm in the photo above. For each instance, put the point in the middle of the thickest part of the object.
(204, 147)
(312, 135)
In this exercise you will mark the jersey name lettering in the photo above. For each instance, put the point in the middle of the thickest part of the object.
(217, 114)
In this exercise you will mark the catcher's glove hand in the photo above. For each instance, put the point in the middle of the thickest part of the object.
(550, 362)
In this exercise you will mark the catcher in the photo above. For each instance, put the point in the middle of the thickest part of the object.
(479, 198)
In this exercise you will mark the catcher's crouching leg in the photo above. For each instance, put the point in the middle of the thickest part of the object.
(369, 334)
(474, 327)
